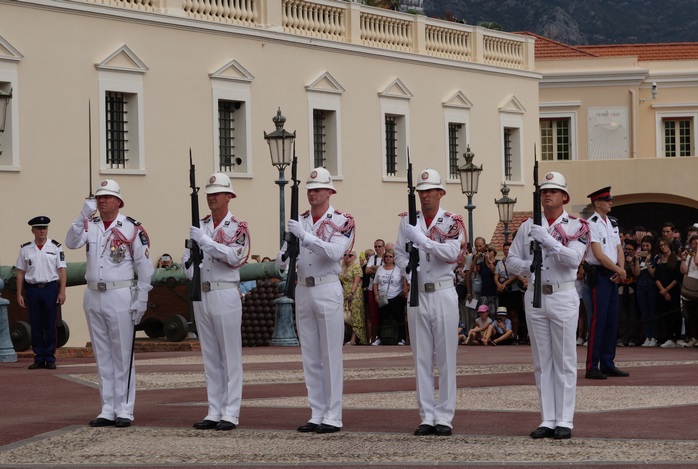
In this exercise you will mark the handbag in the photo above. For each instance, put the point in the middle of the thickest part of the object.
(347, 315)
(382, 301)
(689, 289)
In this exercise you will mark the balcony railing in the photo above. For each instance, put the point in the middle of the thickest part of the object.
(353, 23)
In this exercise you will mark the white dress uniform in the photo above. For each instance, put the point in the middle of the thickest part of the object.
(320, 310)
(433, 324)
(111, 292)
(552, 327)
(219, 315)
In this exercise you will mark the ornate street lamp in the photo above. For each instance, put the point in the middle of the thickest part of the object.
(281, 148)
(469, 179)
(505, 206)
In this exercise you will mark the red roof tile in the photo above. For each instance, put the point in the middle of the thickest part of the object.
(646, 52)
(547, 49)
(498, 235)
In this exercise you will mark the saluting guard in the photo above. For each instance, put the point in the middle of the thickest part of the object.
(41, 277)
(114, 300)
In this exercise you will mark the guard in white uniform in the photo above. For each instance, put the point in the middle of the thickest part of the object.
(440, 236)
(552, 327)
(41, 276)
(114, 301)
(224, 241)
(325, 234)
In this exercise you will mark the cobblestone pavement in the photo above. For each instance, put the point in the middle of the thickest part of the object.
(623, 422)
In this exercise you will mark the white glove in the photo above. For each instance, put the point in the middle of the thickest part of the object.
(415, 234)
(296, 229)
(137, 311)
(202, 239)
(89, 207)
(541, 235)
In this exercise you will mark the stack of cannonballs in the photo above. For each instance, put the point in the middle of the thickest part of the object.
(258, 314)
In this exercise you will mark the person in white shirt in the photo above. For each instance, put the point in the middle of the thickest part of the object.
(41, 277)
(324, 234)
(440, 237)
(115, 301)
(552, 327)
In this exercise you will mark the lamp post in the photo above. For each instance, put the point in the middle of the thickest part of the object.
(281, 148)
(4, 104)
(469, 179)
(505, 206)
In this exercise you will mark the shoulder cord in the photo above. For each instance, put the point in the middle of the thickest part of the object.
(452, 234)
(242, 232)
(566, 238)
(118, 238)
(329, 229)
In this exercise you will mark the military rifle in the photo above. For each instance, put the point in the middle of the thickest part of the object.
(195, 255)
(536, 250)
(292, 243)
(413, 252)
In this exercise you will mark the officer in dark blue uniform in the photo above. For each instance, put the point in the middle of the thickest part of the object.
(605, 268)
(41, 278)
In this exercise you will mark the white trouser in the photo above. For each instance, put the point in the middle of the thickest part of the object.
(552, 330)
(432, 330)
(218, 322)
(320, 320)
(111, 332)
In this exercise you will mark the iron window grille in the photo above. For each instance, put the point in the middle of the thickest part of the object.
(116, 129)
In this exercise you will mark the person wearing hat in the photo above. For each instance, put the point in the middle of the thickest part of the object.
(501, 332)
(481, 331)
(605, 267)
(552, 327)
(41, 277)
(324, 235)
(114, 300)
(439, 235)
(224, 241)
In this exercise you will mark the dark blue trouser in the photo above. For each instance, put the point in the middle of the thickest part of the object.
(41, 303)
(603, 327)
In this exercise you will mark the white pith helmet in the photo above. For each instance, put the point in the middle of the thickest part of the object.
(555, 180)
(320, 179)
(110, 187)
(429, 179)
(219, 182)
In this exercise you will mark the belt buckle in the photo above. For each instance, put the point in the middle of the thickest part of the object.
(101, 286)
(429, 287)
(310, 281)
(206, 287)
(547, 289)
(40, 285)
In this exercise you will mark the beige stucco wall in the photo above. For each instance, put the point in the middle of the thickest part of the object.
(58, 77)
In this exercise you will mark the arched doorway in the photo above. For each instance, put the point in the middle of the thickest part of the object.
(652, 216)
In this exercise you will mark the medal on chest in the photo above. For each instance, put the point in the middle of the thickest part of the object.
(117, 251)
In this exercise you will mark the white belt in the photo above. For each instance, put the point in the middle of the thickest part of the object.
(550, 289)
(104, 286)
(436, 286)
(210, 286)
(315, 281)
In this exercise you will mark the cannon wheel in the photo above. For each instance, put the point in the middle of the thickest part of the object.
(176, 328)
(153, 328)
(21, 333)
(62, 333)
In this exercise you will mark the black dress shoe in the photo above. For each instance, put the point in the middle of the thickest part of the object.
(324, 428)
(424, 430)
(36, 365)
(442, 430)
(224, 425)
(50, 366)
(594, 374)
(205, 425)
(615, 372)
(122, 422)
(101, 422)
(308, 427)
(563, 433)
(543, 432)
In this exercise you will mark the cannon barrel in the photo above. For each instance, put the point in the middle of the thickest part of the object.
(175, 275)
